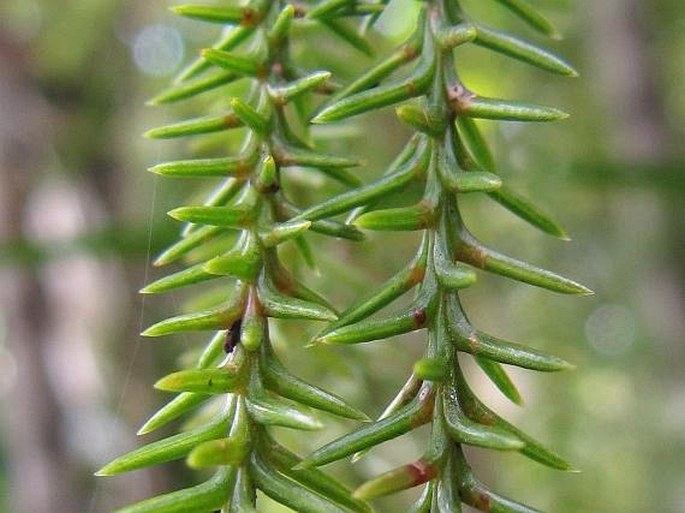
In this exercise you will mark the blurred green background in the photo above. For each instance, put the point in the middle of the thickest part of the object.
(79, 219)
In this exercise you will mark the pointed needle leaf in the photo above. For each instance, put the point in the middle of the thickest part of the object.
(413, 415)
(531, 16)
(416, 217)
(398, 479)
(375, 329)
(197, 321)
(231, 217)
(523, 51)
(495, 371)
(281, 306)
(179, 405)
(223, 451)
(193, 88)
(190, 276)
(208, 496)
(504, 110)
(203, 381)
(270, 410)
(199, 126)
(205, 168)
(168, 449)
(215, 14)
(464, 430)
(529, 212)
(279, 380)
(485, 258)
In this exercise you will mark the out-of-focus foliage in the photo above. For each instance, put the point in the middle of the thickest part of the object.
(618, 416)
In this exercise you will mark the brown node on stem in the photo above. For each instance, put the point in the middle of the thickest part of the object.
(231, 121)
(299, 10)
(480, 501)
(421, 471)
(272, 188)
(243, 168)
(410, 52)
(417, 273)
(251, 17)
(420, 317)
(427, 213)
(472, 341)
(282, 158)
(471, 254)
(411, 88)
(459, 97)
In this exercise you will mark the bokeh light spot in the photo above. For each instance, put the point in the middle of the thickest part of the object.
(610, 329)
(158, 50)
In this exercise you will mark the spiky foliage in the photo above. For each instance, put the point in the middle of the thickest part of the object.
(235, 237)
(449, 156)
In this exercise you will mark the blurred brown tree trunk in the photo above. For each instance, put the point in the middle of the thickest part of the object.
(41, 476)
(631, 81)
(57, 392)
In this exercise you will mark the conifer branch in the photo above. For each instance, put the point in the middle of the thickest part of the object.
(235, 237)
(457, 161)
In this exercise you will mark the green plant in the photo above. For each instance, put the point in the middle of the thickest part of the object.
(250, 215)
